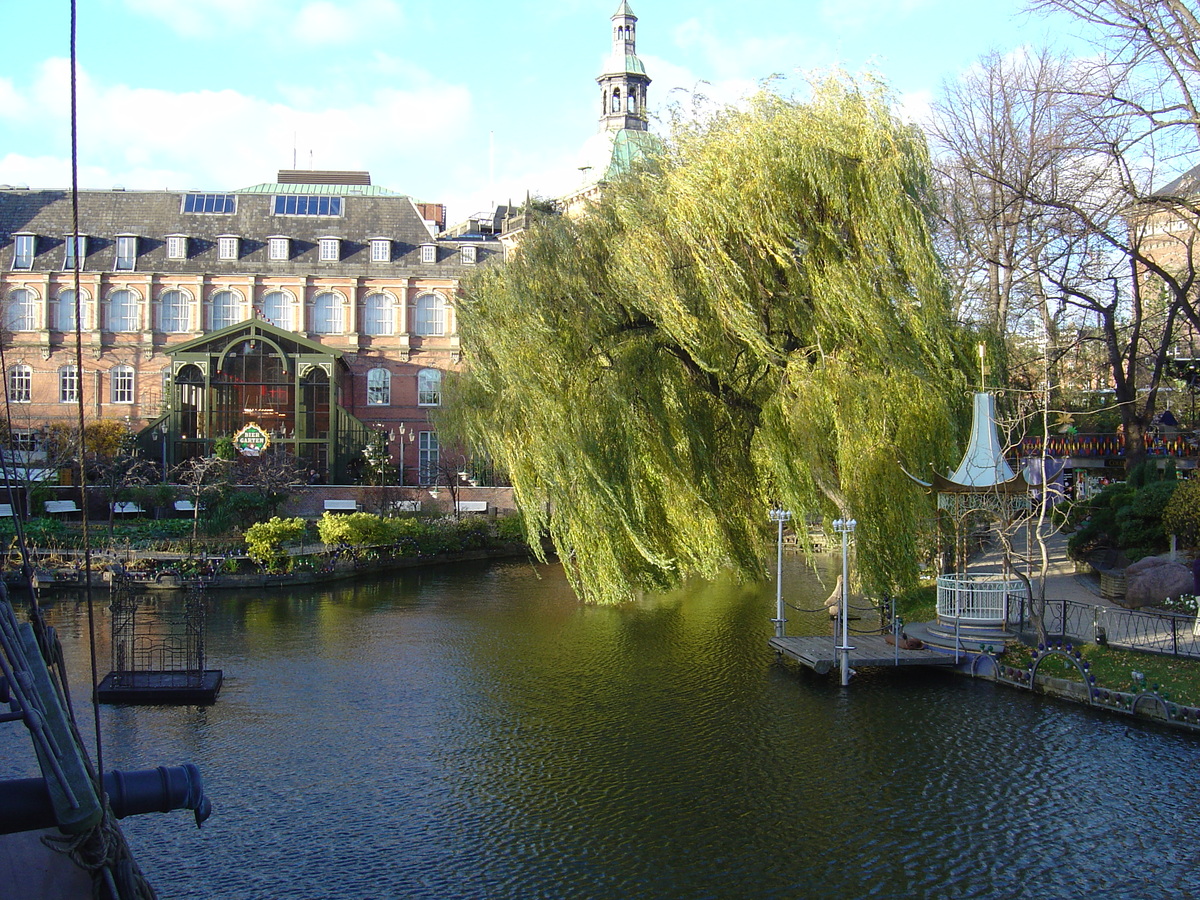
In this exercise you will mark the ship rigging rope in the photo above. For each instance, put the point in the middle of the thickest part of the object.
(103, 849)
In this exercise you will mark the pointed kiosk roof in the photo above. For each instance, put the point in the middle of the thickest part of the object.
(983, 468)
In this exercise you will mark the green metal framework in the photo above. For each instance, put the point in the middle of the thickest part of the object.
(254, 372)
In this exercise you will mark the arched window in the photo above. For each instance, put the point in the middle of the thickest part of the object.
(190, 400)
(431, 315)
(173, 311)
(223, 310)
(276, 308)
(429, 387)
(379, 387)
(62, 312)
(616, 100)
(22, 311)
(121, 313)
(378, 315)
(327, 313)
(122, 385)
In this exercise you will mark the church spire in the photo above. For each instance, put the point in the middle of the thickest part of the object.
(623, 82)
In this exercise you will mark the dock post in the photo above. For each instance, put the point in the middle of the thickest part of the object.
(846, 528)
(780, 516)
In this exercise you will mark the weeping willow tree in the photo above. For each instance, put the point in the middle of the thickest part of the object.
(756, 318)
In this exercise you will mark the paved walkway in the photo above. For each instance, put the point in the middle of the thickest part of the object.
(1062, 581)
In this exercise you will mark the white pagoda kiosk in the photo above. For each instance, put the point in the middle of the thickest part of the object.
(972, 609)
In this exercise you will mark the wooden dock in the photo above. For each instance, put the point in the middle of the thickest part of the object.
(820, 653)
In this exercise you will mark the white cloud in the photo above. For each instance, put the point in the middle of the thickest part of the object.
(316, 22)
(915, 107)
(154, 138)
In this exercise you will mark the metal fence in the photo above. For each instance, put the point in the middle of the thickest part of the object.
(1130, 629)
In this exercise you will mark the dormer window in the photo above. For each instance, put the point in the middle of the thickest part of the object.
(467, 255)
(330, 249)
(227, 246)
(24, 246)
(126, 253)
(177, 246)
(279, 247)
(429, 253)
(381, 250)
(76, 246)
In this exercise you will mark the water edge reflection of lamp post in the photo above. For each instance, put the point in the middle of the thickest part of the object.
(780, 516)
(845, 527)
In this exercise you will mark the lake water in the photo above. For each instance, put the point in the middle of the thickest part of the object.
(475, 732)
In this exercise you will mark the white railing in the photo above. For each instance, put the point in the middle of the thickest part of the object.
(979, 600)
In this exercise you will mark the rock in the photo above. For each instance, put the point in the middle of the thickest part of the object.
(1152, 580)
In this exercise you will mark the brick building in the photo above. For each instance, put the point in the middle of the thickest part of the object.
(318, 306)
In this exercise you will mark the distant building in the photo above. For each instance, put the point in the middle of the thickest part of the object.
(317, 306)
(624, 136)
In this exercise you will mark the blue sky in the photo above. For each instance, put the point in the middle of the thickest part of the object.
(466, 104)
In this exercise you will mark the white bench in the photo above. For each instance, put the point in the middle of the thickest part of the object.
(187, 506)
(126, 507)
(472, 506)
(341, 506)
(61, 506)
(5, 510)
(406, 505)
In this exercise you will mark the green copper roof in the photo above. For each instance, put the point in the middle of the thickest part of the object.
(624, 10)
(624, 62)
(333, 190)
(609, 154)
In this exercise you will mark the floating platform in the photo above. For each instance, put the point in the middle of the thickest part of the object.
(161, 687)
(820, 653)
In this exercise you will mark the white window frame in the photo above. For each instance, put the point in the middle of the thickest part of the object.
(334, 321)
(468, 254)
(429, 253)
(126, 256)
(68, 384)
(429, 387)
(177, 246)
(122, 384)
(329, 249)
(381, 250)
(133, 317)
(428, 452)
(71, 245)
(179, 302)
(24, 250)
(62, 312)
(379, 317)
(228, 246)
(430, 321)
(21, 310)
(279, 248)
(379, 387)
(24, 440)
(233, 311)
(287, 307)
(20, 383)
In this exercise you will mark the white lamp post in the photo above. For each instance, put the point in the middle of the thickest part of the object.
(845, 527)
(780, 516)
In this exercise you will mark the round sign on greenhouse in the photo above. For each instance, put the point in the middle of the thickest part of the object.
(251, 440)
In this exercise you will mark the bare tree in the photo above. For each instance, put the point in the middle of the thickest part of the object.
(1051, 172)
(201, 478)
(273, 474)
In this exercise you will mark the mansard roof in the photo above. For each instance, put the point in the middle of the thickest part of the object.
(366, 212)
